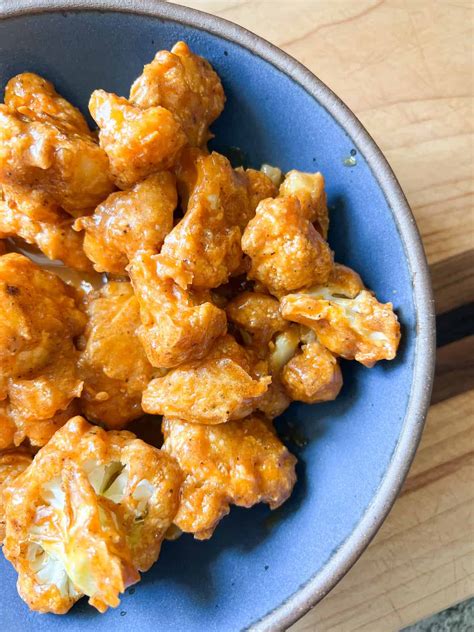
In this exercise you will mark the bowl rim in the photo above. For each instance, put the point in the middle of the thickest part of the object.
(311, 592)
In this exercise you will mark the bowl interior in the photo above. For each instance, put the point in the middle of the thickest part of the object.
(257, 558)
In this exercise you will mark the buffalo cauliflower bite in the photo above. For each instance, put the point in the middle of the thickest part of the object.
(241, 462)
(55, 238)
(37, 403)
(207, 240)
(113, 363)
(128, 221)
(185, 84)
(51, 157)
(347, 319)
(39, 318)
(176, 326)
(38, 95)
(210, 391)
(39, 379)
(12, 464)
(87, 515)
(312, 375)
(258, 318)
(286, 250)
(309, 189)
(138, 142)
(259, 187)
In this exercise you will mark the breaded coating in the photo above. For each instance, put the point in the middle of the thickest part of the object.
(55, 238)
(87, 515)
(312, 375)
(207, 240)
(129, 221)
(36, 204)
(48, 156)
(186, 172)
(286, 250)
(39, 379)
(213, 390)
(353, 327)
(240, 462)
(259, 187)
(37, 403)
(185, 84)
(35, 93)
(258, 315)
(39, 318)
(113, 363)
(176, 327)
(138, 142)
(275, 400)
(309, 189)
(12, 464)
(345, 281)
(7, 426)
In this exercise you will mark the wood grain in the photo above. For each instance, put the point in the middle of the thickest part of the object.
(453, 281)
(405, 68)
(422, 559)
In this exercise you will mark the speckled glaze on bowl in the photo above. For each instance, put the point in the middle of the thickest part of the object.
(260, 570)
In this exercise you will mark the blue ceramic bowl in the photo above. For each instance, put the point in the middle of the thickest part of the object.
(260, 569)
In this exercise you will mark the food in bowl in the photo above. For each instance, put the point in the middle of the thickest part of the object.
(209, 296)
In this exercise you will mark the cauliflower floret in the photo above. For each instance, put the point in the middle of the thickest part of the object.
(55, 238)
(39, 318)
(211, 391)
(176, 327)
(259, 187)
(279, 351)
(258, 315)
(355, 327)
(12, 464)
(309, 189)
(241, 462)
(186, 85)
(274, 173)
(207, 240)
(39, 96)
(301, 370)
(138, 142)
(270, 339)
(312, 375)
(113, 363)
(87, 515)
(128, 221)
(286, 250)
(48, 156)
(38, 375)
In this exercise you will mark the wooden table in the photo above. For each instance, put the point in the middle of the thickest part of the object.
(405, 69)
